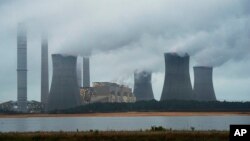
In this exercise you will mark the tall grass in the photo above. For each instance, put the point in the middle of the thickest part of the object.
(149, 135)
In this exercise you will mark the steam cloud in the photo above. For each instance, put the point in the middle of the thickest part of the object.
(204, 29)
(128, 35)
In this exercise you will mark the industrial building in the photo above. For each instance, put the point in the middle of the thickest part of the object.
(44, 70)
(203, 84)
(21, 67)
(106, 92)
(64, 91)
(32, 106)
(142, 86)
(177, 84)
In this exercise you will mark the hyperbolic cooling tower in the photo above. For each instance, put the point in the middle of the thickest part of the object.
(64, 91)
(142, 86)
(44, 70)
(177, 84)
(21, 68)
(203, 83)
(86, 74)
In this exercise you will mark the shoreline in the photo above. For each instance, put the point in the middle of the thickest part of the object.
(127, 114)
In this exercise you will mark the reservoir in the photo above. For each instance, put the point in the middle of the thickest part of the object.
(120, 123)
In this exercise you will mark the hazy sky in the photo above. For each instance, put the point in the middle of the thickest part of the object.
(121, 36)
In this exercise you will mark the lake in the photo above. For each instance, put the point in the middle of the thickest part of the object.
(119, 123)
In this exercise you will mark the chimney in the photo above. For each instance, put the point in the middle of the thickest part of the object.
(79, 72)
(44, 70)
(86, 73)
(22, 68)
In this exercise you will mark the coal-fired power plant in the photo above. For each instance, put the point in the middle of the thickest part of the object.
(177, 84)
(21, 68)
(64, 91)
(44, 70)
(203, 84)
(142, 86)
(86, 73)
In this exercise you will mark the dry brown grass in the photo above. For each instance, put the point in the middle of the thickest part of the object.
(118, 136)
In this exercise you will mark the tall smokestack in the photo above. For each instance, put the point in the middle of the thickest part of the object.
(22, 68)
(79, 73)
(44, 70)
(203, 83)
(142, 86)
(177, 84)
(86, 74)
(64, 91)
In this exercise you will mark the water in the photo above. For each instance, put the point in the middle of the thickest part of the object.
(119, 123)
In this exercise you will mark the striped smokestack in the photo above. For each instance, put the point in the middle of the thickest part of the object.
(86, 73)
(21, 68)
(44, 70)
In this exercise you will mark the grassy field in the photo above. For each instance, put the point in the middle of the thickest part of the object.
(118, 136)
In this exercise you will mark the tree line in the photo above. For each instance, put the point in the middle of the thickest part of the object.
(161, 106)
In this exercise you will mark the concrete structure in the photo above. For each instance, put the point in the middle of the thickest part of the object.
(79, 74)
(203, 83)
(106, 92)
(64, 90)
(22, 68)
(44, 70)
(142, 86)
(177, 84)
(86, 74)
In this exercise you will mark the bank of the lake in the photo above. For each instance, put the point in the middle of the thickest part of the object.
(128, 114)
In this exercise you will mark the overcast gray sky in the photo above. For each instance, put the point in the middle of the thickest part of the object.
(121, 36)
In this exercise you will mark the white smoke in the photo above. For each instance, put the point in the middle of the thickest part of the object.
(83, 28)
(123, 36)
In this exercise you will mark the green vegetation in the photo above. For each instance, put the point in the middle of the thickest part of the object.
(94, 135)
(161, 106)
(155, 106)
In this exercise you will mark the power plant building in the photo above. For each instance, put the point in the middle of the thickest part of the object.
(64, 91)
(44, 70)
(86, 73)
(177, 84)
(106, 92)
(21, 68)
(142, 86)
(203, 84)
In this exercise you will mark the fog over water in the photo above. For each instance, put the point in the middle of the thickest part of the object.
(123, 36)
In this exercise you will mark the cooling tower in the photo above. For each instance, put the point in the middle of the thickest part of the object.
(203, 83)
(177, 84)
(64, 91)
(86, 74)
(142, 86)
(44, 70)
(21, 68)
